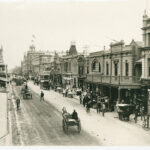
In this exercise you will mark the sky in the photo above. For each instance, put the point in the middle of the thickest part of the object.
(92, 24)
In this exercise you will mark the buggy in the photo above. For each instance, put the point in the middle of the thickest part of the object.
(26, 93)
(125, 110)
(69, 121)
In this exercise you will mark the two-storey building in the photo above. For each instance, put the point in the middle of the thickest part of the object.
(72, 65)
(113, 72)
(145, 59)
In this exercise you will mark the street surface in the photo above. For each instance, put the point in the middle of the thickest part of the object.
(40, 123)
(4, 131)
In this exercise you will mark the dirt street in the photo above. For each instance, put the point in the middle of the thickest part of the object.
(40, 123)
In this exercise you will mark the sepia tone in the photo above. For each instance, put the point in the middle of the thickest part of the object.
(77, 97)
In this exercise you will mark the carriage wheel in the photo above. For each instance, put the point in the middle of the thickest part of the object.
(79, 127)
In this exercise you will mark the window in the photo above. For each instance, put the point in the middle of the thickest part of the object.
(95, 66)
(99, 67)
(66, 67)
(81, 70)
(87, 69)
(126, 68)
(149, 66)
(107, 68)
(116, 68)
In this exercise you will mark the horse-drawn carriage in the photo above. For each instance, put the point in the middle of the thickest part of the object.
(69, 121)
(125, 110)
(26, 93)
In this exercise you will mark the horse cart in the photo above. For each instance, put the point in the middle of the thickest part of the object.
(26, 93)
(125, 110)
(69, 121)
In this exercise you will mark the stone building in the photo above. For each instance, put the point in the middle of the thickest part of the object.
(3, 70)
(113, 72)
(41, 63)
(145, 60)
(72, 65)
(28, 63)
(56, 71)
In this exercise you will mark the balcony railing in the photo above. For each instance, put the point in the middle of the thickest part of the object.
(113, 79)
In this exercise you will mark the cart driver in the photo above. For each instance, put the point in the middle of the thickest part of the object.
(75, 115)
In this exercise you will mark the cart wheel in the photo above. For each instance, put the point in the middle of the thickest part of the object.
(79, 127)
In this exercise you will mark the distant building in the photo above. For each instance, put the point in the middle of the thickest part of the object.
(3, 70)
(72, 65)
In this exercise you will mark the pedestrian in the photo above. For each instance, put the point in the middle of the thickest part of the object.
(98, 105)
(81, 97)
(136, 112)
(88, 105)
(103, 109)
(42, 96)
(18, 103)
(64, 91)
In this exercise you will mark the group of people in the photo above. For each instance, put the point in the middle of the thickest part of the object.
(88, 99)
(67, 92)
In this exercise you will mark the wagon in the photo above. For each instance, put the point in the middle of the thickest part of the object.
(27, 94)
(68, 121)
(125, 110)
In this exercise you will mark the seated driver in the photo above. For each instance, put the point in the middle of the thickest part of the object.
(75, 115)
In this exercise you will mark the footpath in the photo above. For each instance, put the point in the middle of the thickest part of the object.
(115, 115)
(4, 119)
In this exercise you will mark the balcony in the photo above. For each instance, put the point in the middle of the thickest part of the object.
(119, 80)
